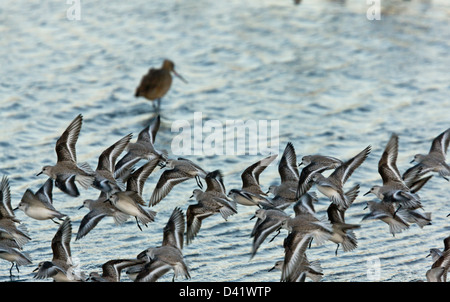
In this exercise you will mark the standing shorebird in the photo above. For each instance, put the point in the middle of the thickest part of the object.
(156, 83)
(67, 170)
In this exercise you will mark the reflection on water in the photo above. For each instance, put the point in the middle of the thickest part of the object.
(335, 81)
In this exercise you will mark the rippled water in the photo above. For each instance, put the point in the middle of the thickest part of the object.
(335, 81)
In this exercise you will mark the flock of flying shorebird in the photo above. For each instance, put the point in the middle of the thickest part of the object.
(120, 184)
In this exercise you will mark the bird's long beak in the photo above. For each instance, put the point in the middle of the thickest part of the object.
(271, 269)
(411, 161)
(36, 269)
(253, 217)
(39, 173)
(300, 164)
(428, 255)
(366, 193)
(16, 208)
(179, 76)
(82, 206)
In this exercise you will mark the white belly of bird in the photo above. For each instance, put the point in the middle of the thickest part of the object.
(9, 257)
(40, 213)
(336, 238)
(244, 201)
(327, 191)
(127, 206)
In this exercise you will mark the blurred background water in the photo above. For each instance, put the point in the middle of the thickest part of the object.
(334, 80)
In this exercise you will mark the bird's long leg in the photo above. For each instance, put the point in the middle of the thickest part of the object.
(395, 213)
(137, 222)
(10, 270)
(199, 183)
(335, 253)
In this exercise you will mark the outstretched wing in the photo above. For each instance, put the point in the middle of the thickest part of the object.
(65, 145)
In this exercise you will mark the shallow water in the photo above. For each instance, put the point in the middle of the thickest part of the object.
(334, 80)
